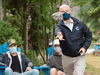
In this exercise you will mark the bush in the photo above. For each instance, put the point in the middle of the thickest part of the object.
(37, 62)
(8, 32)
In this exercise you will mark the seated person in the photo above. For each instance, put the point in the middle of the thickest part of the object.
(16, 63)
(55, 60)
(50, 49)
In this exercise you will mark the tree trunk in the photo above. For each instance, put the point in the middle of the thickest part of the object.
(4, 10)
(39, 43)
(52, 20)
(25, 27)
(25, 36)
(46, 44)
(0, 9)
(43, 40)
(61, 2)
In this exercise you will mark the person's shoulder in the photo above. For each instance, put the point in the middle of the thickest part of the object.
(22, 54)
(80, 21)
(60, 22)
(52, 56)
(4, 54)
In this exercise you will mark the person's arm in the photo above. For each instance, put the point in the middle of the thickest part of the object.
(58, 32)
(28, 63)
(50, 63)
(2, 59)
(88, 36)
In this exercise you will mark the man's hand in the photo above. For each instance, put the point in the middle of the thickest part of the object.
(28, 68)
(60, 36)
(82, 51)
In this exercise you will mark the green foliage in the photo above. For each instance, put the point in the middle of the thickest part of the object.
(34, 58)
(8, 32)
(89, 13)
(15, 22)
(37, 61)
(41, 11)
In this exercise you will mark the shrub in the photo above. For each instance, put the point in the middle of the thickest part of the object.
(8, 32)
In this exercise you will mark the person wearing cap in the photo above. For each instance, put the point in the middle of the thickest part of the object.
(16, 62)
(75, 38)
(55, 61)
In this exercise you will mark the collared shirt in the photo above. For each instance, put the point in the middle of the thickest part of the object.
(70, 26)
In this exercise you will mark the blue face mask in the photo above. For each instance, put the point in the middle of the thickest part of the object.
(13, 49)
(66, 16)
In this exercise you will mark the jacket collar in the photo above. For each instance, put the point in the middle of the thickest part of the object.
(74, 21)
(19, 56)
(8, 52)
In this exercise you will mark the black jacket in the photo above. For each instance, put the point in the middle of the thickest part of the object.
(6, 59)
(55, 61)
(74, 39)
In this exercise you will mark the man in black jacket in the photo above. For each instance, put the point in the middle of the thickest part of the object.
(71, 31)
(16, 63)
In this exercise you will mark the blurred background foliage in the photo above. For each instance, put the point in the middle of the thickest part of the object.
(31, 24)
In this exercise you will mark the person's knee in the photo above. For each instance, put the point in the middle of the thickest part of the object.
(53, 70)
(8, 70)
(79, 73)
(60, 73)
(36, 71)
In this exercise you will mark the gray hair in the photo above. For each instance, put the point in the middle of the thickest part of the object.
(63, 6)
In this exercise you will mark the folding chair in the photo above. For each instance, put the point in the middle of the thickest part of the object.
(96, 47)
(50, 49)
(3, 49)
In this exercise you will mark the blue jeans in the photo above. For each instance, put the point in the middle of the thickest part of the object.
(9, 71)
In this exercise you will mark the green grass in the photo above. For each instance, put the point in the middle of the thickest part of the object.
(92, 70)
(91, 47)
(92, 64)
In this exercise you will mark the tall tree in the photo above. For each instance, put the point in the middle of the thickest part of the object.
(39, 10)
(20, 8)
(0, 9)
(4, 10)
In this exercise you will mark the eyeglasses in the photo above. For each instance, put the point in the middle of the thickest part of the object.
(56, 45)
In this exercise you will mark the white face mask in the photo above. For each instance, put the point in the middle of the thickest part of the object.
(57, 49)
(13, 49)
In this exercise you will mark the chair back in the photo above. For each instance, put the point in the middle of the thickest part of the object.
(3, 48)
(50, 49)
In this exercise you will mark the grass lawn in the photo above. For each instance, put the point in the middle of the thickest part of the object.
(91, 47)
(92, 64)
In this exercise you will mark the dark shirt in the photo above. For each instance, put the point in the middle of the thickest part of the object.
(15, 66)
